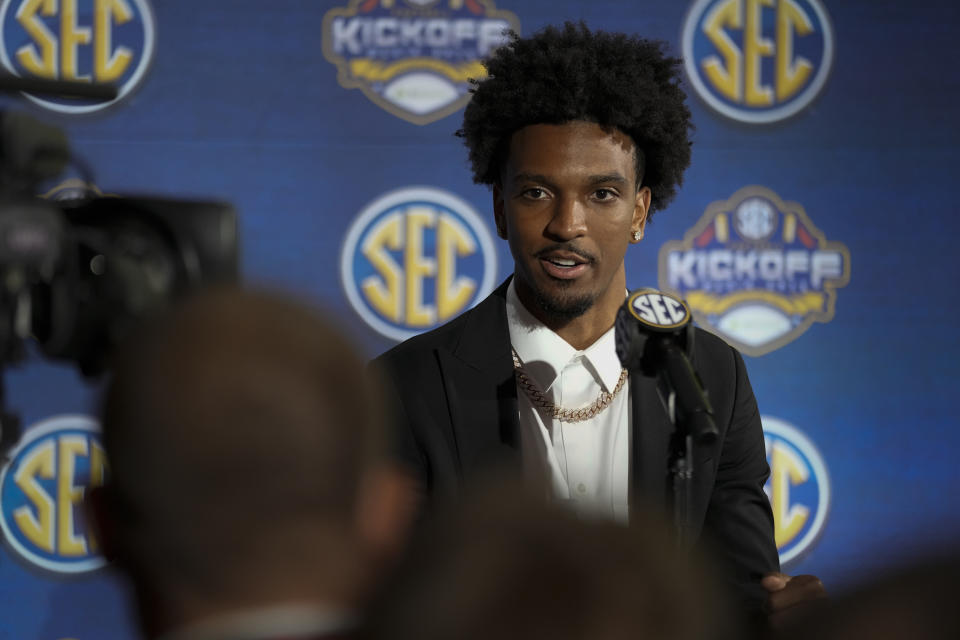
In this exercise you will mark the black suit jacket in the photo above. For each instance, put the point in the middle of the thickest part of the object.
(455, 405)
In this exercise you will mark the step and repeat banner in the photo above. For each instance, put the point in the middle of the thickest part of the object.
(815, 230)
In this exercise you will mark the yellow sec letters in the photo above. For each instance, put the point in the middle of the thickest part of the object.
(418, 266)
(384, 292)
(43, 64)
(109, 63)
(102, 41)
(725, 76)
(798, 488)
(792, 72)
(755, 46)
(757, 60)
(453, 291)
(786, 469)
(38, 528)
(42, 489)
(415, 258)
(40, 57)
(746, 15)
(69, 495)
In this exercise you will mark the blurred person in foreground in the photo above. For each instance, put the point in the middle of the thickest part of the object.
(511, 568)
(582, 135)
(247, 496)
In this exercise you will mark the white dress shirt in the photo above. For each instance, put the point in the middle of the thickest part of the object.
(587, 462)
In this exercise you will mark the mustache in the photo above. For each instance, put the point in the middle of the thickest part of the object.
(566, 247)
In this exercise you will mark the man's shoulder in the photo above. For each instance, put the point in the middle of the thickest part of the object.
(720, 367)
(712, 354)
(423, 345)
(710, 343)
(472, 324)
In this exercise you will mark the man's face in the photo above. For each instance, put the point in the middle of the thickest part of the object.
(568, 204)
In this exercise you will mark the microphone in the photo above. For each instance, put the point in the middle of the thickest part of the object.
(654, 335)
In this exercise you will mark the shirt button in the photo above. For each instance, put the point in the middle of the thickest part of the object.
(581, 488)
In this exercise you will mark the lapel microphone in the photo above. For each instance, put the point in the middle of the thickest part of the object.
(654, 335)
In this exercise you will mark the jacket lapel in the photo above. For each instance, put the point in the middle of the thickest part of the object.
(650, 435)
(481, 390)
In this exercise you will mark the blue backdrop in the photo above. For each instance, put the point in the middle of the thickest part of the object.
(827, 129)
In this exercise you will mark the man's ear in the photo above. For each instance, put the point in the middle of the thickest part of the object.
(499, 217)
(641, 212)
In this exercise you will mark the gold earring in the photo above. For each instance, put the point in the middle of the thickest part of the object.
(637, 235)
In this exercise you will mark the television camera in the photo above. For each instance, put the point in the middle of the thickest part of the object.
(77, 274)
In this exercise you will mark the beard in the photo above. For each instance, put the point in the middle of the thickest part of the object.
(561, 307)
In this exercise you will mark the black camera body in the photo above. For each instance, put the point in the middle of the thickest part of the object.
(77, 274)
(122, 260)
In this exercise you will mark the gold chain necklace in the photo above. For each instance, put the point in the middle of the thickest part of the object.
(557, 413)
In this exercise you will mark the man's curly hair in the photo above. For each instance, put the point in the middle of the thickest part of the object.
(565, 74)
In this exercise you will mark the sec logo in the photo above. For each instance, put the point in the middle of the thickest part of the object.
(658, 310)
(756, 270)
(41, 491)
(102, 41)
(414, 258)
(757, 61)
(414, 58)
(798, 488)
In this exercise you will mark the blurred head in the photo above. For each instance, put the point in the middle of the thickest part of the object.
(507, 567)
(245, 448)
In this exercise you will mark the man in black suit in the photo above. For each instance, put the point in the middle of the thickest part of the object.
(582, 136)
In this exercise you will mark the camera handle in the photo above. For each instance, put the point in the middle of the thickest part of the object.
(9, 424)
(10, 83)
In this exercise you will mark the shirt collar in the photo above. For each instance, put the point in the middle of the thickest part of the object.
(545, 354)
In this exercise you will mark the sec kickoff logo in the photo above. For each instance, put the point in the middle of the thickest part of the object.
(755, 270)
(798, 488)
(103, 41)
(757, 61)
(414, 58)
(415, 258)
(41, 490)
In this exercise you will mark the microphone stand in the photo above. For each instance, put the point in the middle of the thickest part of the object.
(653, 335)
(692, 416)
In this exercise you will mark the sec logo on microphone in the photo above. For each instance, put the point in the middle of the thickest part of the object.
(102, 41)
(415, 258)
(658, 310)
(757, 61)
(798, 488)
(41, 494)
